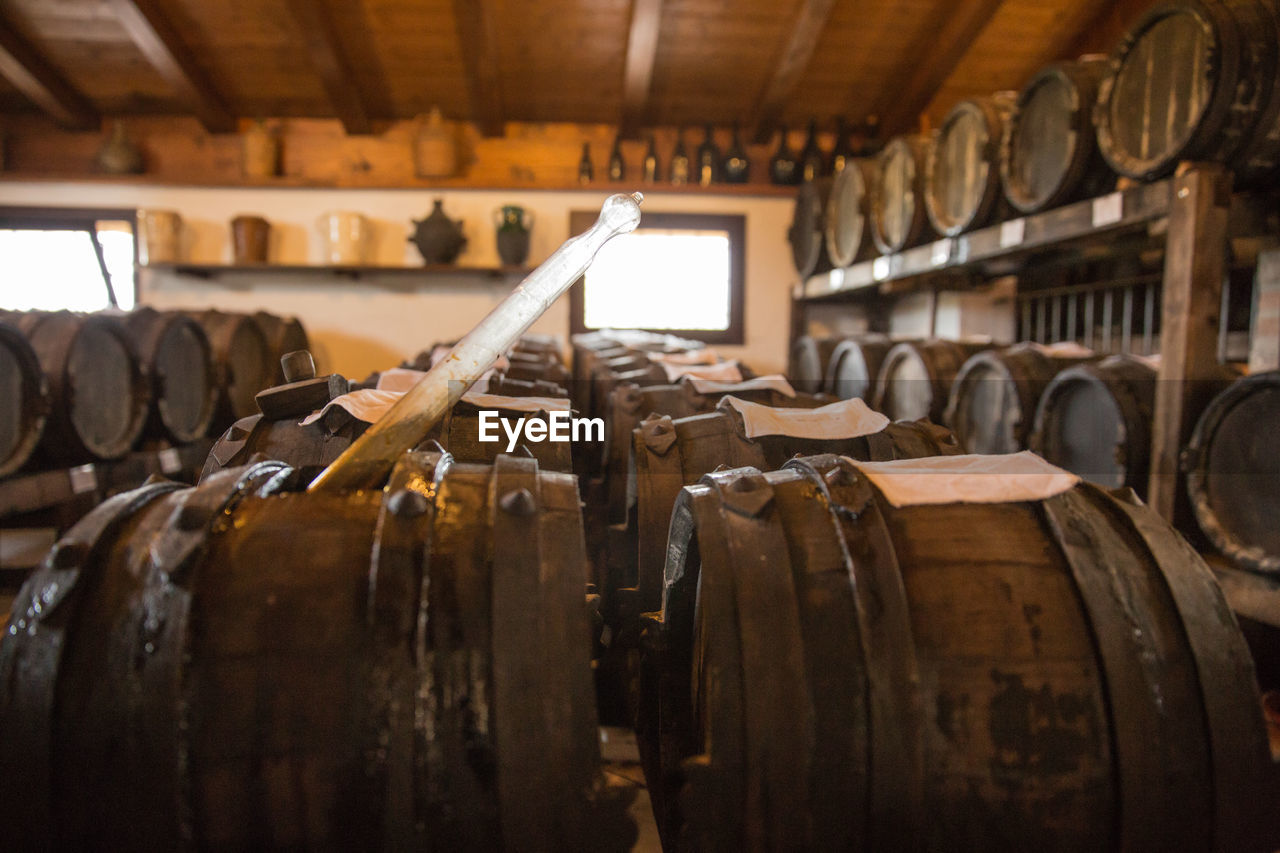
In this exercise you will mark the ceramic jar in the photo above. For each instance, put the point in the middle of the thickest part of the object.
(260, 148)
(439, 239)
(159, 237)
(250, 240)
(513, 224)
(119, 155)
(435, 151)
(346, 237)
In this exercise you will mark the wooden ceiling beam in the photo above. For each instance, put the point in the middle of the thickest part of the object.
(478, 44)
(801, 43)
(330, 61)
(642, 54)
(930, 62)
(22, 65)
(151, 31)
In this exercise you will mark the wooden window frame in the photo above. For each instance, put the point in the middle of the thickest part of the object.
(32, 218)
(736, 227)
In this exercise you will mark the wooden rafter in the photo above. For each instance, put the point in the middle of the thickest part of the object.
(151, 31)
(331, 63)
(23, 67)
(801, 43)
(642, 52)
(930, 62)
(477, 43)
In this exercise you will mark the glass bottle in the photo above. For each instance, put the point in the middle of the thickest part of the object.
(679, 172)
(651, 162)
(586, 172)
(736, 168)
(812, 163)
(783, 167)
(843, 151)
(708, 159)
(617, 168)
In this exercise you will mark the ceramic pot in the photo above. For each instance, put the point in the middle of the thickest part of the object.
(513, 224)
(435, 152)
(346, 238)
(159, 237)
(261, 151)
(439, 239)
(250, 239)
(119, 155)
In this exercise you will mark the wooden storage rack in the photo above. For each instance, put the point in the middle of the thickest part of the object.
(1195, 203)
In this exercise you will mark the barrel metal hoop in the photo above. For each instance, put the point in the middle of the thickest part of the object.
(1238, 742)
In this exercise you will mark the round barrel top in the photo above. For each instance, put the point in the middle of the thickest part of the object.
(846, 216)
(896, 207)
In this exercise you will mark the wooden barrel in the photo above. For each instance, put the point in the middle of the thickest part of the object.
(176, 360)
(98, 395)
(993, 399)
(847, 224)
(283, 335)
(243, 358)
(854, 366)
(808, 228)
(1095, 420)
(24, 399)
(671, 453)
(915, 378)
(1233, 472)
(899, 219)
(272, 669)
(503, 385)
(962, 178)
(830, 671)
(809, 358)
(1049, 156)
(1187, 84)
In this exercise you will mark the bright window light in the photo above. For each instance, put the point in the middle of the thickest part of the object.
(53, 270)
(660, 279)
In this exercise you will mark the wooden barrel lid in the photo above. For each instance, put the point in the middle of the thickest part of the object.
(24, 400)
(809, 356)
(855, 364)
(284, 335)
(808, 228)
(175, 355)
(962, 178)
(847, 223)
(243, 357)
(898, 217)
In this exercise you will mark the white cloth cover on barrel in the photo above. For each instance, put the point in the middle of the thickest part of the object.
(1008, 478)
(697, 356)
(1065, 349)
(369, 404)
(725, 371)
(403, 378)
(772, 382)
(845, 419)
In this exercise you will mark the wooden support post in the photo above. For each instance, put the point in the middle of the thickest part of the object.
(1195, 262)
(1264, 351)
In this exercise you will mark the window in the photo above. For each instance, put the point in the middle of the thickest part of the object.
(65, 258)
(677, 272)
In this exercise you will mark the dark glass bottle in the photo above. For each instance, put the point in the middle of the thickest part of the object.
(651, 162)
(843, 151)
(870, 137)
(812, 163)
(783, 166)
(708, 159)
(736, 168)
(617, 168)
(679, 172)
(586, 172)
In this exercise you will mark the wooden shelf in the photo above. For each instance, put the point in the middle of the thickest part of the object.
(1100, 217)
(340, 271)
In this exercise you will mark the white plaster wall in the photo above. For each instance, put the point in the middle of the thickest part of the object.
(360, 326)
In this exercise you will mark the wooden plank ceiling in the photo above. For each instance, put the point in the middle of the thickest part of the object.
(635, 63)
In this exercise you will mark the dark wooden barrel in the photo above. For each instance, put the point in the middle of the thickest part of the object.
(243, 358)
(1186, 84)
(854, 366)
(809, 358)
(962, 178)
(847, 226)
(899, 219)
(915, 378)
(1258, 160)
(1233, 472)
(1095, 420)
(993, 399)
(535, 367)
(832, 672)
(283, 335)
(671, 453)
(177, 362)
(503, 385)
(98, 395)
(24, 398)
(1049, 156)
(808, 228)
(245, 666)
